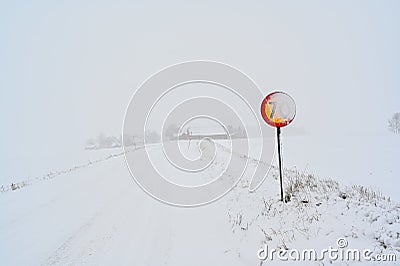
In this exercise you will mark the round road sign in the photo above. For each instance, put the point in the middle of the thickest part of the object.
(278, 109)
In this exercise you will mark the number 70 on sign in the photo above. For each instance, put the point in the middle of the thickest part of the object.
(278, 109)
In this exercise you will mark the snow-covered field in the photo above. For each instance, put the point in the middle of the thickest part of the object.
(369, 160)
(94, 213)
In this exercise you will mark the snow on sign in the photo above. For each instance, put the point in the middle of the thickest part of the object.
(278, 109)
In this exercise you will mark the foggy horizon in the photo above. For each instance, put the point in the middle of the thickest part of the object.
(73, 78)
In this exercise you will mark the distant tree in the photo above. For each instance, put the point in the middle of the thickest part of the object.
(394, 123)
(90, 142)
(101, 140)
(129, 139)
(114, 142)
(230, 129)
(171, 132)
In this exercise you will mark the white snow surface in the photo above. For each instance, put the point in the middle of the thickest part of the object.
(93, 213)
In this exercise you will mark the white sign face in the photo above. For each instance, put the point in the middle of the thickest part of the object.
(278, 109)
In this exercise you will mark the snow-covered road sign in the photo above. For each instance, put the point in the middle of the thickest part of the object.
(278, 109)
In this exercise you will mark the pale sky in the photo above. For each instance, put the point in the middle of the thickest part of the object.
(68, 69)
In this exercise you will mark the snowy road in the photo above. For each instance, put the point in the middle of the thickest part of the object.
(97, 215)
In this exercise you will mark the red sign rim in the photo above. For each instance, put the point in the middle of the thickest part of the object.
(265, 116)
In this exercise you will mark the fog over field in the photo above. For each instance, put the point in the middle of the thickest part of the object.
(69, 70)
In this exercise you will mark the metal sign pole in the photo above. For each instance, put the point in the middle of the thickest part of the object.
(278, 134)
(278, 109)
